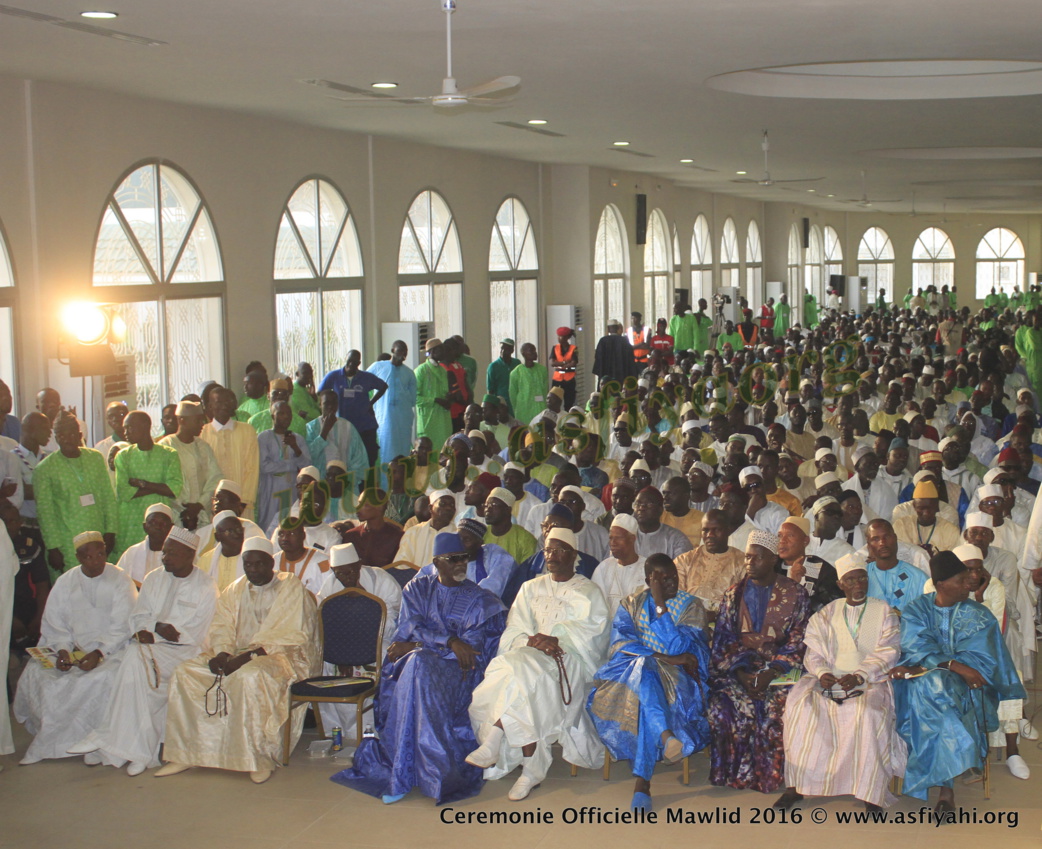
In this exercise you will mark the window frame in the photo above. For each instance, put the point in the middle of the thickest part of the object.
(515, 274)
(603, 282)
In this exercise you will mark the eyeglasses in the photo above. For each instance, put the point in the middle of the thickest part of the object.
(461, 557)
(555, 552)
(753, 485)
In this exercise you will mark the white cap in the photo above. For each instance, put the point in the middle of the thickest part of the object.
(849, 563)
(343, 555)
(979, 520)
(967, 552)
(476, 434)
(640, 466)
(690, 424)
(826, 478)
(993, 475)
(259, 544)
(991, 490)
(504, 495)
(86, 537)
(571, 488)
(704, 468)
(229, 486)
(927, 369)
(337, 464)
(911, 416)
(749, 472)
(513, 467)
(309, 472)
(626, 522)
(439, 494)
(821, 453)
(164, 509)
(564, 535)
(948, 440)
(184, 536)
(224, 514)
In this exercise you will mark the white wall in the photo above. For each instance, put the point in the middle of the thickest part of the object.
(65, 148)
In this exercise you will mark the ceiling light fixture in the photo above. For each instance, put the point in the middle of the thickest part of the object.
(686, 161)
(536, 121)
(621, 144)
(812, 190)
(741, 173)
(830, 196)
(103, 15)
(385, 85)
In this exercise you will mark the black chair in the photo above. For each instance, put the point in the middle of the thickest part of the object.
(402, 571)
(351, 626)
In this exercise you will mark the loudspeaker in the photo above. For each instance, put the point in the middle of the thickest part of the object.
(642, 219)
(839, 283)
(806, 233)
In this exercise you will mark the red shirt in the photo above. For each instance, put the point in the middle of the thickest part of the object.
(457, 373)
(663, 343)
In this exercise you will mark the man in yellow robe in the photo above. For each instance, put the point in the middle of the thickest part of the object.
(264, 637)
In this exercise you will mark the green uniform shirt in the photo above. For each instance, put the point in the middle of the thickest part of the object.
(497, 379)
(250, 407)
(432, 419)
(160, 465)
(262, 421)
(517, 542)
(782, 315)
(73, 495)
(682, 329)
(304, 405)
(528, 387)
(703, 330)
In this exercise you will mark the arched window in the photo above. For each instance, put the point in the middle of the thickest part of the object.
(430, 266)
(678, 265)
(933, 260)
(317, 241)
(658, 270)
(513, 266)
(609, 270)
(793, 263)
(7, 310)
(813, 266)
(729, 254)
(1000, 262)
(157, 258)
(753, 266)
(875, 260)
(701, 261)
(833, 252)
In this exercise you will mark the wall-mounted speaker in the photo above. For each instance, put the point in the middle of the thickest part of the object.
(806, 233)
(642, 219)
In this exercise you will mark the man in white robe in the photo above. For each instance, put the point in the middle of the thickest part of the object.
(142, 557)
(847, 747)
(346, 570)
(622, 574)
(88, 611)
(417, 544)
(558, 621)
(170, 621)
(263, 638)
(292, 554)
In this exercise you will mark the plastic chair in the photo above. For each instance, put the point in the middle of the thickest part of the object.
(686, 761)
(402, 571)
(351, 626)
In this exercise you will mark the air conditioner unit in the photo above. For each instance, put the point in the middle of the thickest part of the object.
(413, 333)
(118, 385)
(569, 315)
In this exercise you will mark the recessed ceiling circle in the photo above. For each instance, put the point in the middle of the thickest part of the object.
(913, 79)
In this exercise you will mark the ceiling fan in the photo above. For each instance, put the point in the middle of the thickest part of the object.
(864, 202)
(765, 179)
(451, 95)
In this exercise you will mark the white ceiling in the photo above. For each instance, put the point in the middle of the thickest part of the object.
(598, 71)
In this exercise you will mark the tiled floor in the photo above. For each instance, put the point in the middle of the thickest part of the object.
(65, 805)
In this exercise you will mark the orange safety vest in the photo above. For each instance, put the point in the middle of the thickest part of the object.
(565, 372)
(640, 345)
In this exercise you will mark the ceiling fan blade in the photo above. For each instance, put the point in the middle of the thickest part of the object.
(385, 101)
(802, 180)
(492, 86)
(745, 180)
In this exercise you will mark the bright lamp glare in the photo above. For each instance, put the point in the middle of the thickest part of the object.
(85, 322)
(117, 330)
